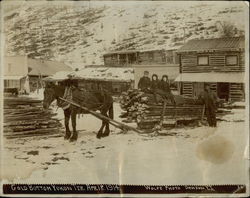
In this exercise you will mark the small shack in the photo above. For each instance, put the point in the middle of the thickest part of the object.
(219, 62)
(25, 74)
(113, 79)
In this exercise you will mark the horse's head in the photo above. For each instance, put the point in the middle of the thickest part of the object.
(49, 96)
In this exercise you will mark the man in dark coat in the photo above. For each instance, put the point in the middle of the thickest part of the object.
(209, 100)
(144, 82)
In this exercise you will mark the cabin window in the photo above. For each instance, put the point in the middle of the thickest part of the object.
(202, 60)
(151, 56)
(232, 60)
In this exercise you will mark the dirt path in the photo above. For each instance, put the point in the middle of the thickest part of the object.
(188, 155)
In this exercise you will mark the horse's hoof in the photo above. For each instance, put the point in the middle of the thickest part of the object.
(98, 136)
(66, 137)
(72, 139)
(105, 135)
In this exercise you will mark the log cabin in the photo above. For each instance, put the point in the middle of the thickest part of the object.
(219, 62)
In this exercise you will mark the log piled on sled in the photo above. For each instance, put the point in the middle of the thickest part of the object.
(142, 108)
(25, 117)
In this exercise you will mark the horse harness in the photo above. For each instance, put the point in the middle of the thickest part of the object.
(68, 95)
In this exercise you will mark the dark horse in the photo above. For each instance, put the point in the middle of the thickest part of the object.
(101, 101)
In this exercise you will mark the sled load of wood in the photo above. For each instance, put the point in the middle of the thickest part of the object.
(142, 108)
(25, 117)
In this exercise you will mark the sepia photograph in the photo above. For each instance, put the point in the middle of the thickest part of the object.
(124, 98)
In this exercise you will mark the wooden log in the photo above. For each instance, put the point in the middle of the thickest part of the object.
(31, 122)
(18, 118)
(29, 134)
(35, 131)
(102, 117)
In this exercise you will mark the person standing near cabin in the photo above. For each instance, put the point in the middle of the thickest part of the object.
(164, 86)
(209, 100)
(144, 82)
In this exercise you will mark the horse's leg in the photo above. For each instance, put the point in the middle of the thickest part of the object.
(110, 112)
(99, 134)
(73, 121)
(107, 130)
(66, 122)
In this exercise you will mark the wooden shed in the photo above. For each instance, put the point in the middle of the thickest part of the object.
(219, 62)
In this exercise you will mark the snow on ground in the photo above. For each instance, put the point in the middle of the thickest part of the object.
(189, 155)
(37, 94)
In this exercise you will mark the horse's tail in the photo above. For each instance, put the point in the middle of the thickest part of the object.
(111, 111)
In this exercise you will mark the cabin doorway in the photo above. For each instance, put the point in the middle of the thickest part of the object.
(223, 90)
(198, 88)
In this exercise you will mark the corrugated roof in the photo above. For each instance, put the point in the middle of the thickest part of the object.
(232, 77)
(230, 43)
(45, 67)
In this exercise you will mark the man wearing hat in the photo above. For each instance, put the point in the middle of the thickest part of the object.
(209, 100)
(144, 82)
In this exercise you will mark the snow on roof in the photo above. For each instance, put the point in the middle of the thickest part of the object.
(59, 76)
(106, 74)
(46, 67)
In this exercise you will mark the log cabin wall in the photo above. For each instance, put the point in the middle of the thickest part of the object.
(187, 89)
(216, 62)
(237, 92)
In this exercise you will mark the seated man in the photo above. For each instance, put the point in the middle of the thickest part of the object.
(144, 82)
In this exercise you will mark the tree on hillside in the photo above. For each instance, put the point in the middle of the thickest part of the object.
(227, 29)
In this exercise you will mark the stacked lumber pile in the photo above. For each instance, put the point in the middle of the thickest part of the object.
(25, 117)
(142, 108)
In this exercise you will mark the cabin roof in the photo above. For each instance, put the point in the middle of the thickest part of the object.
(45, 67)
(122, 74)
(118, 74)
(121, 52)
(229, 43)
(232, 77)
(22, 66)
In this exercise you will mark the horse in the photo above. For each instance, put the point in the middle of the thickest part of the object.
(92, 100)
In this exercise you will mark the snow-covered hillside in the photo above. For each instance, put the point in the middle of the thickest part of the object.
(78, 33)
